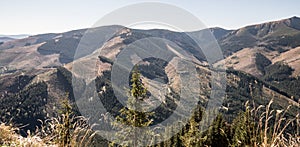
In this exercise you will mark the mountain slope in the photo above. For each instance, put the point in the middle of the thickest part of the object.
(278, 35)
(262, 60)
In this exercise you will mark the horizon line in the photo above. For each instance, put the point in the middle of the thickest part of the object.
(208, 27)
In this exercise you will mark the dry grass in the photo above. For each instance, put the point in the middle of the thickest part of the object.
(68, 130)
(9, 137)
(65, 130)
(274, 134)
(7, 134)
(57, 131)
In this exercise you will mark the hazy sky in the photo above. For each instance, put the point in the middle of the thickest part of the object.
(44, 16)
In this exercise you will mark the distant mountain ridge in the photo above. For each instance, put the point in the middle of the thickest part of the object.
(263, 59)
(4, 39)
(19, 36)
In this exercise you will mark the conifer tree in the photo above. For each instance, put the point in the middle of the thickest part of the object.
(193, 135)
(217, 134)
(64, 126)
(133, 116)
(242, 129)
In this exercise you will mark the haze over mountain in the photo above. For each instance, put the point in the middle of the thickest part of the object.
(19, 36)
(263, 62)
(4, 39)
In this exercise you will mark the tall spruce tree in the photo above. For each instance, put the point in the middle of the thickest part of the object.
(137, 121)
(193, 136)
(217, 133)
(243, 129)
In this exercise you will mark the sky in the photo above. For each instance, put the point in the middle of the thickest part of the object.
(54, 16)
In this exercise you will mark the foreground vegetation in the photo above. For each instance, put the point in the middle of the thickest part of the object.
(259, 126)
(255, 126)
